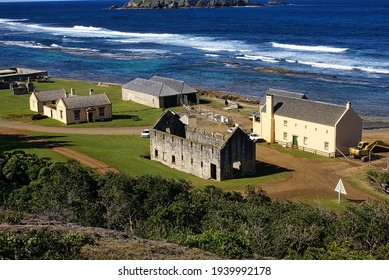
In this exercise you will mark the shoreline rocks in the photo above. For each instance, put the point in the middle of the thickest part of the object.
(174, 4)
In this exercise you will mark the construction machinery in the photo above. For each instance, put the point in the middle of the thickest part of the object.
(364, 149)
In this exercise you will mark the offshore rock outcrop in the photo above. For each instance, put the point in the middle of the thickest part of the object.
(171, 4)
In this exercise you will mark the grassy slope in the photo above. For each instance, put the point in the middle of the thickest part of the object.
(124, 152)
(125, 113)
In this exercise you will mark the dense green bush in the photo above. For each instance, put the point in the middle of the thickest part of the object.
(42, 244)
(229, 224)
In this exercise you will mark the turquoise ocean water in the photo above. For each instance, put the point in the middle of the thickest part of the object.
(333, 51)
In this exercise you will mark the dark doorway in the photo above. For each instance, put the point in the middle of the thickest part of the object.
(213, 171)
(90, 116)
(295, 140)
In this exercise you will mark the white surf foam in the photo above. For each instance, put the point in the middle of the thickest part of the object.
(259, 57)
(309, 48)
(197, 42)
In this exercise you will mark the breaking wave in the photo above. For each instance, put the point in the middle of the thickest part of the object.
(309, 48)
(128, 45)
(79, 31)
(333, 66)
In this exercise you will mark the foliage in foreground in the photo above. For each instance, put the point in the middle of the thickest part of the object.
(226, 223)
(42, 244)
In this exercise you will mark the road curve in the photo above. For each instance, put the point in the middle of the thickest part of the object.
(72, 130)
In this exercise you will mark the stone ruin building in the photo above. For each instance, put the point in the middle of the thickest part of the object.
(205, 154)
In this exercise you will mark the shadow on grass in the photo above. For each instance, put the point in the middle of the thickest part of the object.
(19, 141)
(266, 169)
(356, 200)
(126, 117)
(204, 101)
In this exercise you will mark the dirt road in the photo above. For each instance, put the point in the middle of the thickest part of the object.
(71, 130)
(307, 178)
(13, 127)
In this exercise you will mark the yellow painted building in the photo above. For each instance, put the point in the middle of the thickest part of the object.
(292, 120)
(79, 109)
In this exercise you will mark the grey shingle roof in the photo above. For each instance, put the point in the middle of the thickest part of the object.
(177, 85)
(307, 110)
(286, 93)
(159, 86)
(51, 95)
(76, 102)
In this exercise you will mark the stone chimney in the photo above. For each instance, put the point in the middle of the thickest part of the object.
(348, 105)
(72, 92)
(91, 91)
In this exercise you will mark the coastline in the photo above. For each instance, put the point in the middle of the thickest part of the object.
(218, 95)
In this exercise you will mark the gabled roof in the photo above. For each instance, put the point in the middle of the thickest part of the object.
(51, 95)
(78, 102)
(177, 85)
(307, 110)
(285, 93)
(159, 86)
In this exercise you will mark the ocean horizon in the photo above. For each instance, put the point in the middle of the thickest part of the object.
(332, 51)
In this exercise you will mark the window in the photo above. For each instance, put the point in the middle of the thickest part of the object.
(173, 159)
(305, 140)
(182, 158)
(326, 145)
(295, 125)
(101, 111)
(213, 151)
(172, 139)
(156, 153)
(285, 136)
(191, 144)
(315, 128)
(77, 115)
(61, 114)
(285, 123)
(191, 161)
(201, 164)
(305, 127)
(201, 147)
(327, 131)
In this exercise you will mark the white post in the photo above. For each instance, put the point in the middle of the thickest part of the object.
(339, 196)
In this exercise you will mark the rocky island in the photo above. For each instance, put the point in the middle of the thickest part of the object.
(171, 4)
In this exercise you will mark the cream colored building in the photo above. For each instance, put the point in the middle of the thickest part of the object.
(40, 99)
(292, 120)
(160, 92)
(79, 109)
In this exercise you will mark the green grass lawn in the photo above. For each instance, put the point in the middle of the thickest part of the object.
(127, 154)
(125, 113)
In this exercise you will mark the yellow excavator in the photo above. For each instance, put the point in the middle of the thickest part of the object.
(364, 148)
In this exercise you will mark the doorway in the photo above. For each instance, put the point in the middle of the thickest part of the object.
(213, 171)
(90, 116)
